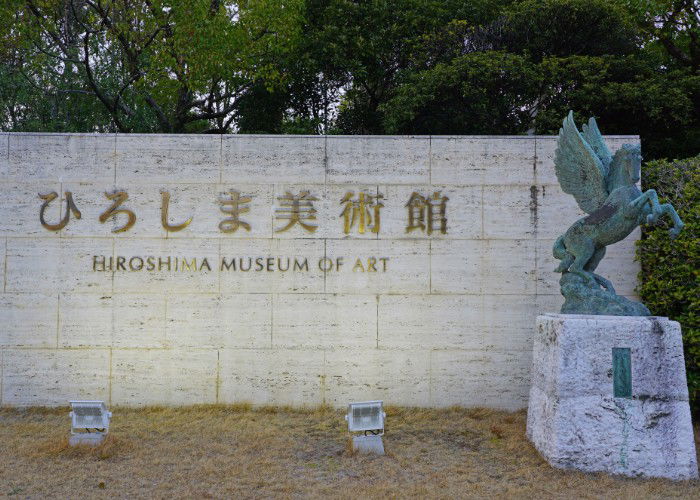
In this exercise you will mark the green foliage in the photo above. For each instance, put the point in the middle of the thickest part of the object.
(564, 28)
(162, 65)
(670, 275)
(479, 93)
(354, 67)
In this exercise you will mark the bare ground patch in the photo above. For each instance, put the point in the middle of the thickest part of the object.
(225, 451)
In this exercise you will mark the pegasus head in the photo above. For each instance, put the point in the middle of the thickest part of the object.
(626, 165)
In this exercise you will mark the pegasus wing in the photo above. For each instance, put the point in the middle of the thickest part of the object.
(579, 170)
(594, 138)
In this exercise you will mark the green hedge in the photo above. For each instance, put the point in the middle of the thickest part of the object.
(670, 276)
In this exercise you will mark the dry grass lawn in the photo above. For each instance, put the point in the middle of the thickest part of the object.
(224, 451)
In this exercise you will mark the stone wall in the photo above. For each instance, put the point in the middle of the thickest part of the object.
(449, 321)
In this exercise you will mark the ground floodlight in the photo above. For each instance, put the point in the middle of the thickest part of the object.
(89, 422)
(368, 418)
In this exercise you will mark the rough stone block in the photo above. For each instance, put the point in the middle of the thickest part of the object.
(87, 439)
(508, 267)
(164, 376)
(477, 160)
(430, 321)
(272, 376)
(488, 378)
(22, 201)
(85, 320)
(138, 321)
(455, 266)
(52, 377)
(576, 421)
(64, 265)
(324, 321)
(378, 160)
(29, 319)
(217, 321)
(156, 159)
(509, 212)
(397, 377)
(61, 157)
(252, 158)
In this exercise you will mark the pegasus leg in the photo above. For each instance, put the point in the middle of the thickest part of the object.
(649, 196)
(593, 263)
(668, 209)
(595, 259)
(657, 210)
(584, 253)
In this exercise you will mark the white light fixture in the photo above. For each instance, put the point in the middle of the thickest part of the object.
(368, 418)
(89, 422)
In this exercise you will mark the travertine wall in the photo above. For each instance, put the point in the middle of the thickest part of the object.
(449, 322)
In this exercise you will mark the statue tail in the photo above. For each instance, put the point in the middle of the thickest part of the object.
(559, 251)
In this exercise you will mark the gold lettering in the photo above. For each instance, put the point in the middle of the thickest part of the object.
(371, 261)
(70, 208)
(189, 266)
(384, 262)
(296, 209)
(422, 213)
(161, 261)
(165, 203)
(120, 263)
(279, 264)
(365, 211)
(95, 262)
(250, 264)
(205, 262)
(301, 266)
(227, 265)
(131, 264)
(358, 265)
(150, 263)
(232, 205)
(119, 197)
(259, 266)
(325, 264)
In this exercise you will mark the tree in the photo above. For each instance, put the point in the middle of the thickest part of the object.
(480, 93)
(159, 65)
(675, 25)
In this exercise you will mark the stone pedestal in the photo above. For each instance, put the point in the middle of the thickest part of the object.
(584, 414)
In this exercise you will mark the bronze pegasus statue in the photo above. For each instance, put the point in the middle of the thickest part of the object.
(605, 187)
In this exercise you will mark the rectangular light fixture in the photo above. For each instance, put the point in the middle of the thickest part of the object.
(366, 417)
(89, 422)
